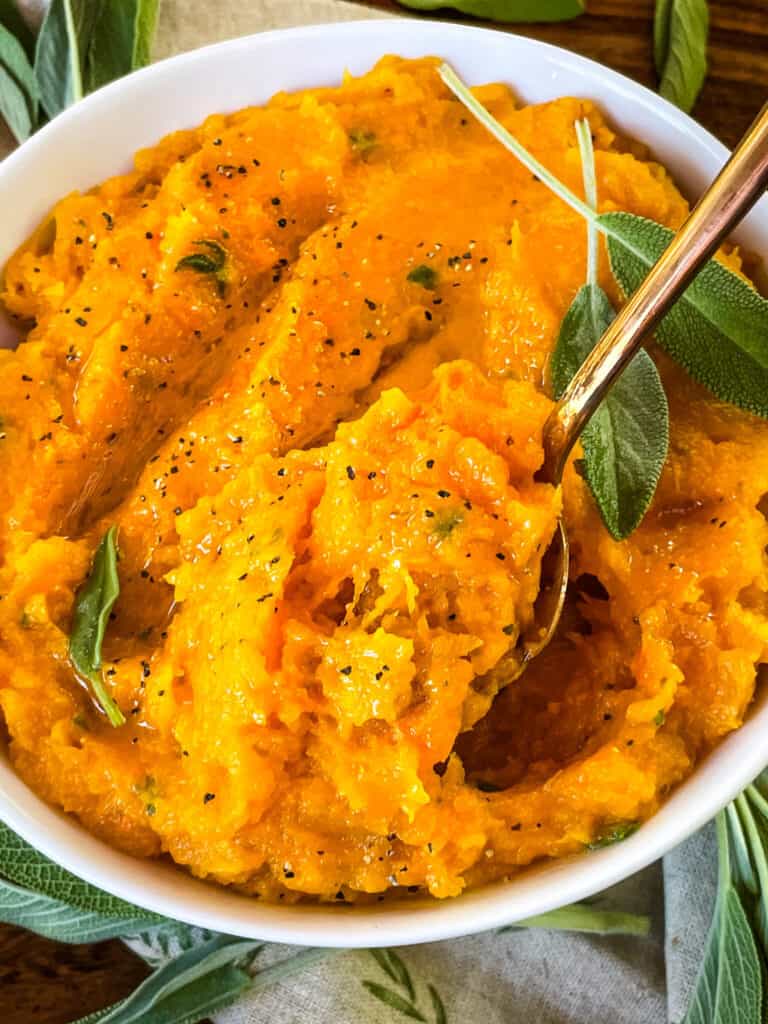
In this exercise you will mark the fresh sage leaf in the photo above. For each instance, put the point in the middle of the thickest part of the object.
(206, 994)
(110, 46)
(14, 106)
(12, 19)
(505, 10)
(680, 30)
(197, 1001)
(27, 867)
(60, 921)
(93, 603)
(120, 41)
(581, 917)
(60, 54)
(721, 339)
(175, 992)
(144, 26)
(15, 61)
(625, 443)
(729, 986)
(717, 330)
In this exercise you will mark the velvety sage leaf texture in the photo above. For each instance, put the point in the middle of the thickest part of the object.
(93, 603)
(144, 26)
(59, 921)
(14, 106)
(505, 10)
(172, 994)
(729, 986)
(62, 47)
(717, 330)
(121, 40)
(625, 443)
(24, 865)
(110, 47)
(14, 59)
(680, 32)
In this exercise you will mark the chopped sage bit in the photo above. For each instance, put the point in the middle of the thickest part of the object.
(93, 604)
(616, 833)
(659, 717)
(424, 275)
(212, 262)
(363, 141)
(447, 522)
(486, 787)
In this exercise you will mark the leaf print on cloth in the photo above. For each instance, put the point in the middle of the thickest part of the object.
(403, 997)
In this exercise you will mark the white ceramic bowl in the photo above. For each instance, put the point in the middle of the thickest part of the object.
(96, 139)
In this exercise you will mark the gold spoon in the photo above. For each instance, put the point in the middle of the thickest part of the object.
(737, 188)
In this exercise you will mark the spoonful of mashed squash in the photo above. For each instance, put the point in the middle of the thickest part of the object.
(274, 424)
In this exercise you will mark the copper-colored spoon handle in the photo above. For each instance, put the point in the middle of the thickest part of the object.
(736, 189)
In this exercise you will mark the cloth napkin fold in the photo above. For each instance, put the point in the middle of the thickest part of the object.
(518, 976)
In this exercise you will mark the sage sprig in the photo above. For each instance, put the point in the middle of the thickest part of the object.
(680, 31)
(93, 604)
(731, 984)
(81, 45)
(625, 443)
(717, 330)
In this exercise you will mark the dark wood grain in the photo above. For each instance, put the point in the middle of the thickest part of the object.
(45, 983)
(619, 33)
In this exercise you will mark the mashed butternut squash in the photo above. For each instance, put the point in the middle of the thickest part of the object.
(298, 356)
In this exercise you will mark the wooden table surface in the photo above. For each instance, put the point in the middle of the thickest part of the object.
(42, 982)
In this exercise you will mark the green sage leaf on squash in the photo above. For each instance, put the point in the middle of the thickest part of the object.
(506, 10)
(717, 330)
(213, 262)
(729, 356)
(625, 443)
(423, 275)
(680, 31)
(93, 604)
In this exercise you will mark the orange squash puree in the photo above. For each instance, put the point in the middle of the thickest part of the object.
(321, 461)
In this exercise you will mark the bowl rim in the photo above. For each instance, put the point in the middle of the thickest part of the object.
(168, 889)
